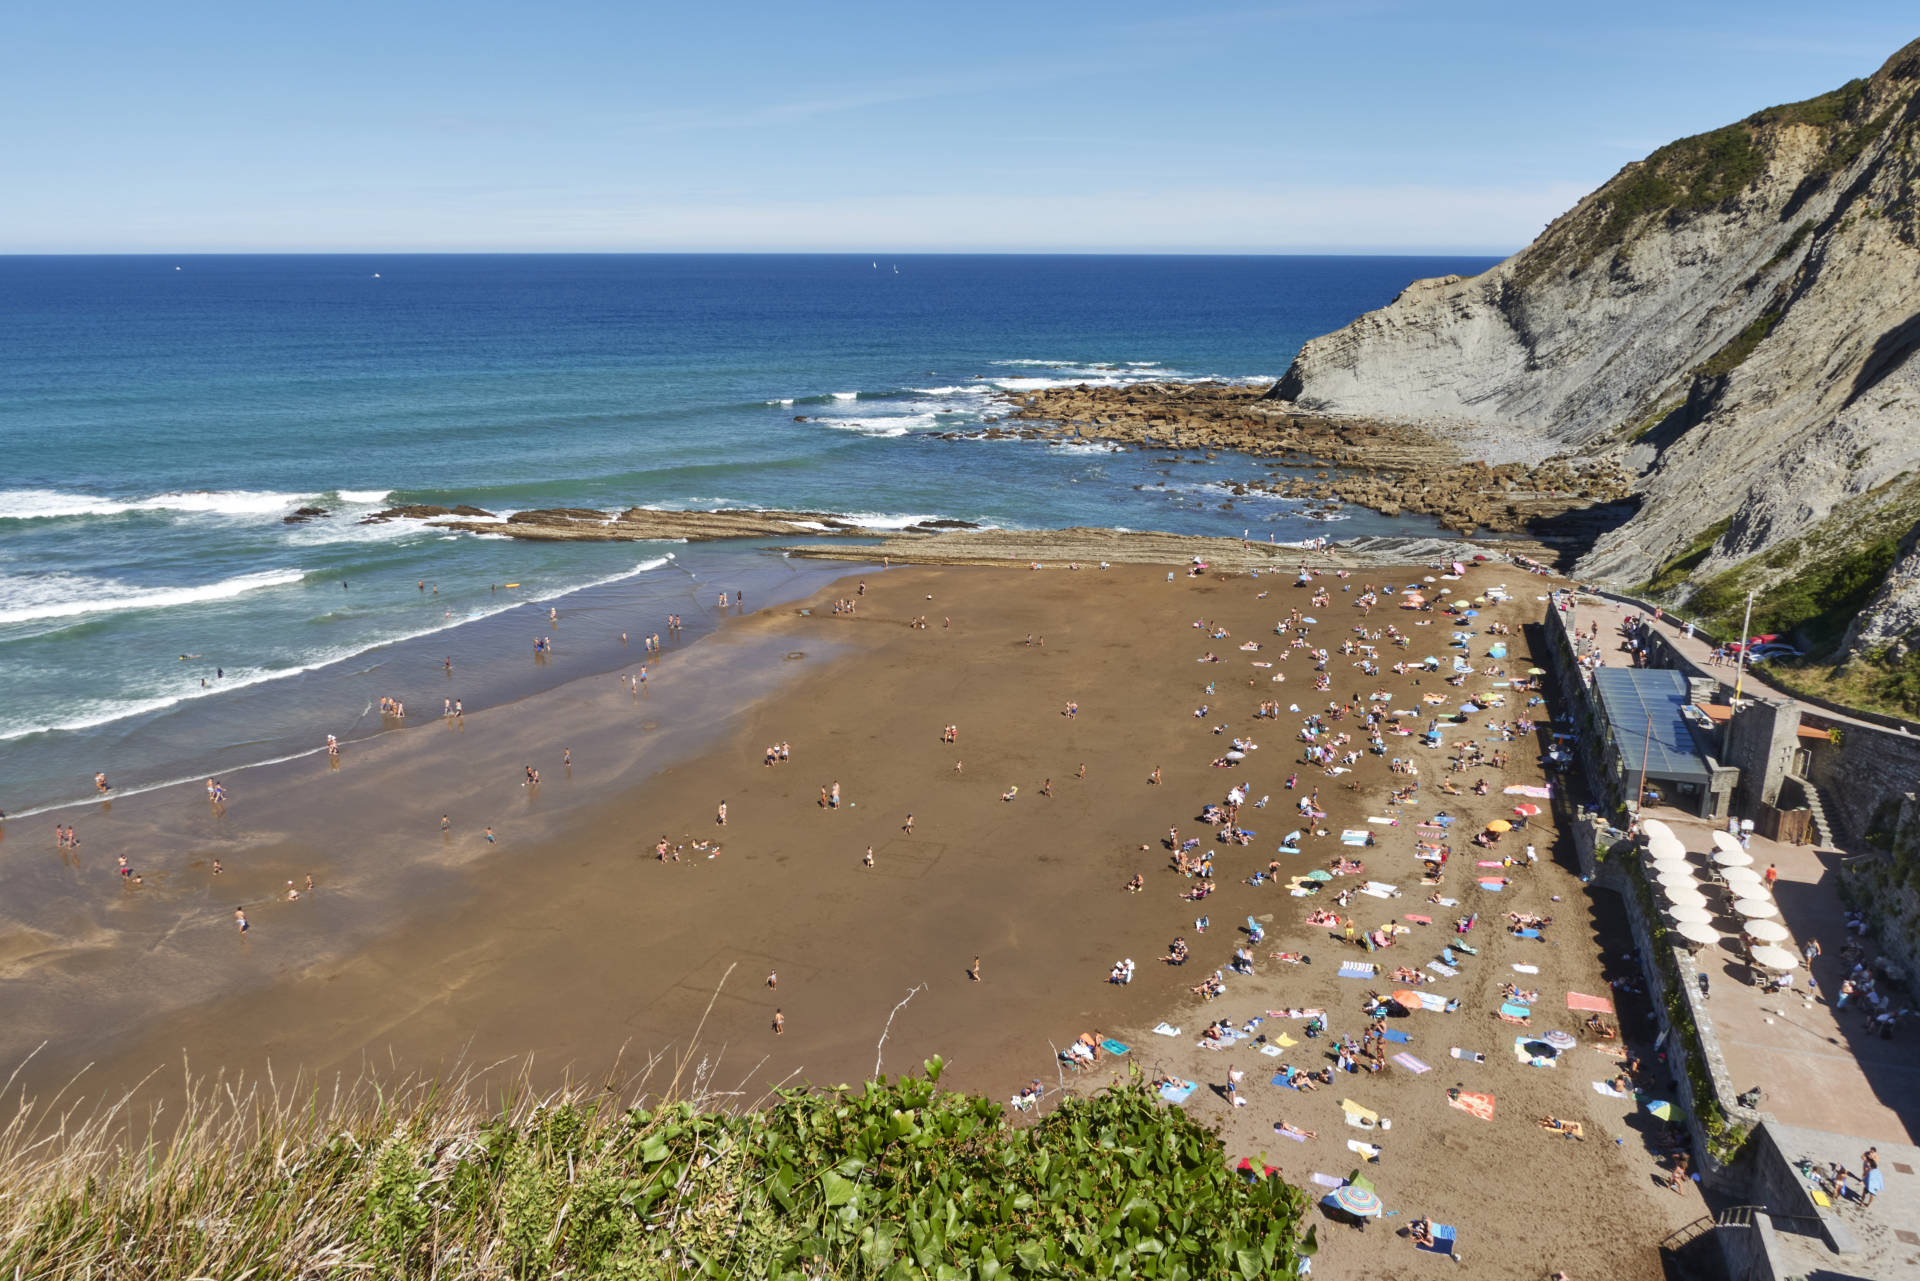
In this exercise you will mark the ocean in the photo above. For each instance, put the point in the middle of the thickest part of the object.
(160, 417)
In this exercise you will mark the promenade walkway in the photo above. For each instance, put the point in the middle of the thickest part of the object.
(1613, 616)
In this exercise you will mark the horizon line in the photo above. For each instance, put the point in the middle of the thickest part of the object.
(762, 253)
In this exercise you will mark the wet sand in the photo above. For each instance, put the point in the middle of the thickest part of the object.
(568, 941)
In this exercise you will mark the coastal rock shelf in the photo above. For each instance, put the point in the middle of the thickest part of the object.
(1088, 547)
(1391, 467)
(641, 524)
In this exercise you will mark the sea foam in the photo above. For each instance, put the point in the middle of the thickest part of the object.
(30, 599)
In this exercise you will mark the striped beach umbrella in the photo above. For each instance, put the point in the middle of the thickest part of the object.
(1362, 1203)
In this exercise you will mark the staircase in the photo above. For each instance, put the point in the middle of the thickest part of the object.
(1822, 829)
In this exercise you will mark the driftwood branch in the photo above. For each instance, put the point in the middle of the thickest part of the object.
(880, 1045)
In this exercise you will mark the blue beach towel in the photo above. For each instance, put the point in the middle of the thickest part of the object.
(1526, 934)
(1356, 970)
(1280, 1078)
(1513, 1011)
(1114, 1047)
(1177, 1094)
(1397, 1037)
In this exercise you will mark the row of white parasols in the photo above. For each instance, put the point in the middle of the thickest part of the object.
(1677, 876)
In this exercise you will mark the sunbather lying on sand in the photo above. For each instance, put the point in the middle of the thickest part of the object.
(1571, 1129)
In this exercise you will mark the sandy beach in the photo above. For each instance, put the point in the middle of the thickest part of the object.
(568, 940)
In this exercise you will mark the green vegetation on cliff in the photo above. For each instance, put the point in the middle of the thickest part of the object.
(888, 1181)
(1707, 171)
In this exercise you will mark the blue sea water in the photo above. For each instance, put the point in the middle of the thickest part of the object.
(160, 417)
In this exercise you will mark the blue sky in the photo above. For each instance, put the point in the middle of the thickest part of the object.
(1121, 126)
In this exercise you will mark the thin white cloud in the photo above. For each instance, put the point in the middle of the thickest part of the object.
(1385, 218)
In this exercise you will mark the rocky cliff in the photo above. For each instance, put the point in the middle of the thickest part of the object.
(1733, 320)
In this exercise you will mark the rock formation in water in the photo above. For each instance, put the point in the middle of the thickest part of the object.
(1734, 321)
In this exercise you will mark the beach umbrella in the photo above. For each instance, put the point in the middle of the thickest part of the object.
(1678, 880)
(1560, 1040)
(1236, 755)
(1775, 958)
(1697, 932)
(1665, 845)
(1732, 858)
(1536, 671)
(1766, 931)
(1319, 874)
(1688, 915)
(1726, 841)
(1362, 1203)
(1744, 879)
(1305, 619)
(1678, 866)
(1499, 825)
(1661, 1109)
(1526, 811)
(1429, 579)
(1684, 896)
(1654, 827)
(1755, 907)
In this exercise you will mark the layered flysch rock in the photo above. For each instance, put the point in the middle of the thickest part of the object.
(1734, 319)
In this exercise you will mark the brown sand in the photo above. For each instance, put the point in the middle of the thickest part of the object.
(569, 941)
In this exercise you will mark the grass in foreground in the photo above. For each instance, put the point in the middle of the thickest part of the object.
(889, 1180)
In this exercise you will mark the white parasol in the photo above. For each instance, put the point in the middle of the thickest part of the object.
(1767, 956)
(1744, 879)
(1665, 839)
(1732, 858)
(1684, 896)
(1677, 880)
(1766, 931)
(1727, 842)
(1687, 914)
(1697, 932)
(1755, 907)
(1654, 827)
(1677, 866)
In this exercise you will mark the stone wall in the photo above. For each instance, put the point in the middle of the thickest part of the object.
(1750, 1251)
(1777, 1185)
(1864, 777)
(1761, 740)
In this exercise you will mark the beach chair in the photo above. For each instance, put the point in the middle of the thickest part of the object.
(1445, 1237)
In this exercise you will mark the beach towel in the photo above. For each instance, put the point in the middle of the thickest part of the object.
(1327, 1180)
(1444, 1236)
(1480, 1105)
(1304, 1012)
(1272, 1051)
(1354, 1109)
(1494, 862)
(1289, 1134)
(1280, 1078)
(1114, 1047)
(1411, 1064)
(1384, 822)
(1419, 920)
(1432, 1002)
(1353, 836)
(1368, 1150)
(1177, 1093)
(1449, 902)
(1527, 969)
(1444, 971)
(1166, 1029)
(1432, 831)
(1592, 1004)
(1379, 889)
(1602, 1088)
(1495, 885)
(1356, 970)
(1471, 1056)
(1526, 934)
(1519, 1013)
(1528, 1057)
(1396, 1036)
(1284, 1041)
(1528, 789)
